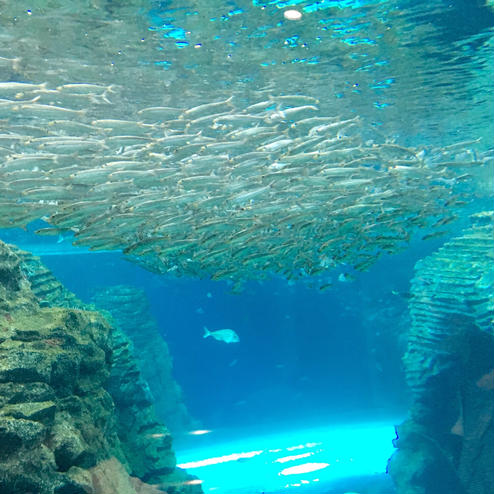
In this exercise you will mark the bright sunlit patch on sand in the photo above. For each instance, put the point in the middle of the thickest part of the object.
(259, 463)
(302, 446)
(304, 468)
(220, 459)
(199, 432)
(292, 458)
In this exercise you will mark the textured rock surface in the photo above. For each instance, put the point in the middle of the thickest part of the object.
(452, 293)
(110, 477)
(145, 440)
(60, 431)
(129, 310)
(55, 412)
(447, 445)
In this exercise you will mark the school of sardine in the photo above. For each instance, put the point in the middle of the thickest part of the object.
(229, 184)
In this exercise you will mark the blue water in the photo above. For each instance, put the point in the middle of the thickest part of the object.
(303, 354)
(301, 381)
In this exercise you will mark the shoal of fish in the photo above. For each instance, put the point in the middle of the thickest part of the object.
(233, 188)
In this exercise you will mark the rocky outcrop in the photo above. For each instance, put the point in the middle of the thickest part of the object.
(447, 445)
(63, 380)
(145, 440)
(129, 310)
(55, 413)
(452, 296)
(49, 292)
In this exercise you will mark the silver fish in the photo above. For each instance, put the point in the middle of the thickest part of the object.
(225, 335)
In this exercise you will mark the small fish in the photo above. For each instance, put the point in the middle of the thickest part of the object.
(276, 145)
(47, 111)
(208, 108)
(405, 295)
(199, 432)
(434, 235)
(226, 335)
(343, 277)
(157, 435)
(13, 88)
(85, 88)
(325, 286)
(294, 99)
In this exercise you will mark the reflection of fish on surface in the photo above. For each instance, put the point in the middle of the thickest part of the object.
(226, 335)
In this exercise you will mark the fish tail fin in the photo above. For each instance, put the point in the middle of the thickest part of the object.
(206, 332)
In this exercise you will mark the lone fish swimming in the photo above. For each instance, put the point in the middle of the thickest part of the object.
(226, 335)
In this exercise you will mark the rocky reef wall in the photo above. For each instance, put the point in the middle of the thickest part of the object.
(129, 310)
(76, 417)
(447, 444)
